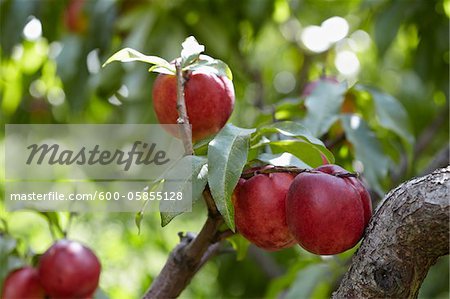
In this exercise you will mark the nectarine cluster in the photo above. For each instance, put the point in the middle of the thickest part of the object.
(324, 210)
(67, 270)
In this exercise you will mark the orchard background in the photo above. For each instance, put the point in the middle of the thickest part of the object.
(393, 57)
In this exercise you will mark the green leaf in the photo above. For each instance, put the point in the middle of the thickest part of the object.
(53, 222)
(387, 24)
(280, 284)
(240, 244)
(392, 115)
(323, 107)
(308, 280)
(194, 182)
(307, 152)
(283, 159)
(7, 245)
(290, 129)
(367, 150)
(227, 155)
(211, 65)
(8, 261)
(140, 215)
(138, 220)
(201, 146)
(161, 70)
(128, 55)
(191, 51)
(289, 108)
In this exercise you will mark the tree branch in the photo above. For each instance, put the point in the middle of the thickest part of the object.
(183, 119)
(408, 233)
(193, 251)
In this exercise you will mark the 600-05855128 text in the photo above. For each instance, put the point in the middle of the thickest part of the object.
(102, 196)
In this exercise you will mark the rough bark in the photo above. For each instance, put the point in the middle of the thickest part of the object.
(407, 234)
(188, 256)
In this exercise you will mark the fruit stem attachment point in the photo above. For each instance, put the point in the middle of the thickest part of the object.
(293, 170)
(275, 169)
(183, 119)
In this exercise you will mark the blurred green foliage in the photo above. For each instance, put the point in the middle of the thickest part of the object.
(50, 73)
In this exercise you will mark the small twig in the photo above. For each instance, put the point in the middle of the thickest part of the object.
(211, 252)
(293, 170)
(69, 224)
(183, 119)
(211, 206)
(222, 235)
(289, 169)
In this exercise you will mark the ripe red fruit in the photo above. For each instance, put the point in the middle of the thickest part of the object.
(327, 214)
(23, 283)
(209, 101)
(260, 210)
(69, 270)
(309, 88)
(74, 17)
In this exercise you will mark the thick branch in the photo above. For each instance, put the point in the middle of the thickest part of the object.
(187, 258)
(407, 234)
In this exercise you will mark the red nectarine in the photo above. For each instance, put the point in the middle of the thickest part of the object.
(260, 210)
(209, 101)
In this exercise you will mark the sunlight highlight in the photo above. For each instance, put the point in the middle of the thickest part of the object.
(347, 63)
(33, 29)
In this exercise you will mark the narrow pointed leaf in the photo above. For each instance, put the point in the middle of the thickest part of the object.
(283, 159)
(290, 129)
(392, 115)
(194, 182)
(215, 66)
(323, 107)
(227, 155)
(367, 150)
(128, 55)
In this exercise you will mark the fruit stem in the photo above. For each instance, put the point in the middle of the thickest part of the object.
(294, 170)
(183, 119)
(290, 169)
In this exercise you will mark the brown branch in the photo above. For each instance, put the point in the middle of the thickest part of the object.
(183, 119)
(408, 233)
(193, 251)
(187, 258)
(222, 235)
(293, 170)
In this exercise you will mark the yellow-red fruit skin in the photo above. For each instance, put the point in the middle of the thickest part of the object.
(209, 102)
(260, 210)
